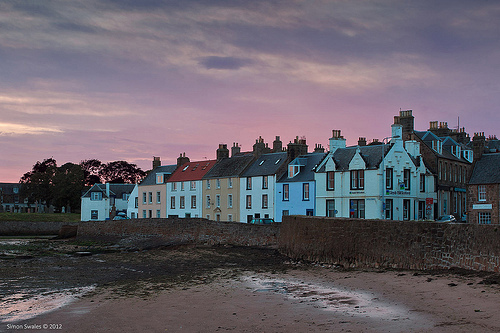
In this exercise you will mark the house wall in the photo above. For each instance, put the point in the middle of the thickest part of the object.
(187, 193)
(154, 205)
(491, 205)
(393, 244)
(224, 210)
(132, 209)
(102, 207)
(256, 192)
(296, 205)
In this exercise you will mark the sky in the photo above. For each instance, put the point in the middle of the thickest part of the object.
(129, 80)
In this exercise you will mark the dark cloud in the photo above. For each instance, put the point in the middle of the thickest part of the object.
(231, 63)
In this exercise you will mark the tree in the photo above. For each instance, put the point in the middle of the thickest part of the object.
(121, 172)
(92, 170)
(68, 184)
(37, 183)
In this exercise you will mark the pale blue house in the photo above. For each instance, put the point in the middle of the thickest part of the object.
(295, 190)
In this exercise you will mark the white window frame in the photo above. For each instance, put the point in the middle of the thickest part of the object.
(229, 201)
(481, 192)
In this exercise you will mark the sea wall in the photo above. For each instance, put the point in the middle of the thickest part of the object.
(394, 244)
(24, 228)
(172, 231)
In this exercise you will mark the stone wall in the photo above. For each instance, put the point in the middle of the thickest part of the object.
(23, 228)
(172, 231)
(394, 244)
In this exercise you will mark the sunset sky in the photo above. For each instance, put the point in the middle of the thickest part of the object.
(129, 79)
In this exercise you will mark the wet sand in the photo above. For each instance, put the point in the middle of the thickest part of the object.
(249, 290)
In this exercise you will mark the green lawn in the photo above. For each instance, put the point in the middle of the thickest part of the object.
(36, 217)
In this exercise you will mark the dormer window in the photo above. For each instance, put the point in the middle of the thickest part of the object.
(437, 146)
(159, 178)
(293, 170)
(456, 150)
(96, 196)
(468, 155)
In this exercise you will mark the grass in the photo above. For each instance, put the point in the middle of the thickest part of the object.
(39, 217)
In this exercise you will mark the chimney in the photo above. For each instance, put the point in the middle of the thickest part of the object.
(361, 141)
(235, 149)
(156, 162)
(182, 159)
(337, 141)
(318, 148)
(397, 132)
(478, 145)
(277, 145)
(433, 125)
(406, 120)
(259, 147)
(297, 148)
(222, 152)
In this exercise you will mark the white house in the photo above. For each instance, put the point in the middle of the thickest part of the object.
(133, 203)
(377, 181)
(103, 200)
(257, 186)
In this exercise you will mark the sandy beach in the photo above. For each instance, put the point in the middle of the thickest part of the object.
(271, 297)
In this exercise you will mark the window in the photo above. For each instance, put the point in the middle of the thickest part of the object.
(125, 196)
(217, 183)
(136, 203)
(357, 179)
(249, 201)
(159, 178)
(230, 183)
(249, 183)
(357, 209)
(389, 174)
(286, 192)
(144, 213)
(192, 185)
(229, 201)
(293, 170)
(230, 218)
(193, 201)
(182, 203)
(485, 218)
(305, 191)
(150, 196)
(264, 201)
(158, 213)
(144, 198)
(264, 182)
(481, 190)
(174, 186)
(406, 209)
(330, 208)
(208, 184)
(150, 212)
(285, 212)
(388, 209)
(172, 202)
(158, 197)
(330, 180)
(94, 214)
(217, 200)
(208, 201)
(182, 186)
(15, 190)
(422, 182)
(406, 179)
(421, 210)
(96, 196)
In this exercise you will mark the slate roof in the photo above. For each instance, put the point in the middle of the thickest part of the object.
(151, 177)
(427, 137)
(308, 163)
(229, 167)
(266, 164)
(486, 170)
(8, 188)
(372, 155)
(493, 145)
(115, 190)
(192, 171)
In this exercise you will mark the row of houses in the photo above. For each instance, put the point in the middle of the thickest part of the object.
(410, 175)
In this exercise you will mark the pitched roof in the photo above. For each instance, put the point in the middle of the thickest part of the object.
(150, 179)
(115, 190)
(266, 164)
(192, 171)
(427, 137)
(486, 170)
(230, 167)
(8, 188)
(372, 155)
(307, 164)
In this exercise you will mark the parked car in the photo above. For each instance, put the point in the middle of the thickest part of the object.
(120, 216)
(446, 218)
(262, 221)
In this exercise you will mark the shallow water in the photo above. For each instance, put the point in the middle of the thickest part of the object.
(31, 303)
